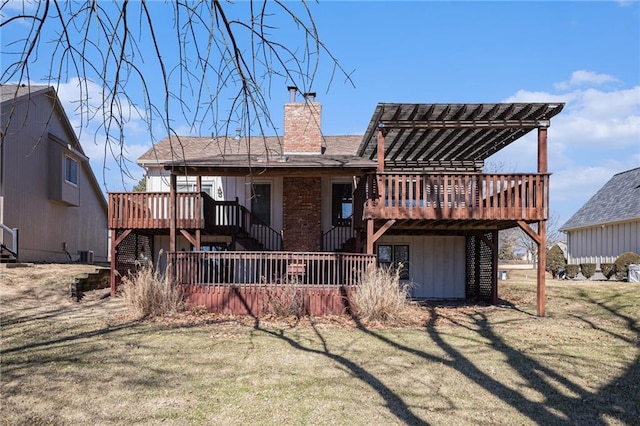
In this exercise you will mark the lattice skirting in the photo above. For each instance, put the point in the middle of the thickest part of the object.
(481, 268)
(135, 250)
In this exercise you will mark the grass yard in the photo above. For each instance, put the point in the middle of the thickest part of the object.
(92, 363)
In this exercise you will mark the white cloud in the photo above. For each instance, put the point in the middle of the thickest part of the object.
(583, 78)
(592, 117)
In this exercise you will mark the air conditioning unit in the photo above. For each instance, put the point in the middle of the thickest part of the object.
(85, 256)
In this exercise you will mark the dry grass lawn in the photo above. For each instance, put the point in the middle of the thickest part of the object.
(92, 363)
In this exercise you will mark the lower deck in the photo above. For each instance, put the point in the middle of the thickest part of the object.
(435, 267)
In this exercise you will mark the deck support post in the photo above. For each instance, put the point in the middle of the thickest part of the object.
(381, 149)
(542, 261)
(370, 236)
(542, 225)
(113, 262)
(199, 216)
(540, 238)
(172, 213)
(542, 150)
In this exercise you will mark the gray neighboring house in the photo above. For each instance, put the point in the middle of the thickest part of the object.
(608, 224)
(48, 191)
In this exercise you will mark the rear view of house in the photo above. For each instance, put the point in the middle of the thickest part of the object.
(234, 211)
(51, 206)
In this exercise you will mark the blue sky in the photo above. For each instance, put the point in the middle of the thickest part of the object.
(586, 54)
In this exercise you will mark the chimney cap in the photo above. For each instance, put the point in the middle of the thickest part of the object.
(310, 96)
(292, 93)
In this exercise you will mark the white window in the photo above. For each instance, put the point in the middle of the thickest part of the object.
(191, 187)
(70, 170)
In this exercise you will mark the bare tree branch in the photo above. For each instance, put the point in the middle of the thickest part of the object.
(214, 71)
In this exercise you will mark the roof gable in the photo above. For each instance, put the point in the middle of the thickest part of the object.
(12, 93)
(618, 200)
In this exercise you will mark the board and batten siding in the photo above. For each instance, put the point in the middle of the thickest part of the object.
(437, 265)
(45, 224)
(603, 243)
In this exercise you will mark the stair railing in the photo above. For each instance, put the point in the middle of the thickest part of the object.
(13, 232)
(270, 239)
(334, 238)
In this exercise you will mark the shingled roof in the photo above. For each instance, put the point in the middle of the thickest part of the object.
(618, 200)
(193, 149)
(15, 91)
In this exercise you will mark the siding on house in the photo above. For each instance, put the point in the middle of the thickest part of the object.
(49, 212)
(603, 243)
(436, 264)
(608, 224)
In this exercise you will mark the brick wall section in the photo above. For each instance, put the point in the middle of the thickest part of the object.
(301, 214)
(302, 127)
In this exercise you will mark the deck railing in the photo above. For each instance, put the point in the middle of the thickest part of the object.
(515, 196)
(151, 210)
(269, 238)
(265, 268)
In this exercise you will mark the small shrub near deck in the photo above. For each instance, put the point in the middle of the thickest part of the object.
(285, 299)
(572, 271)
(588, 269)
(381, 296)
(556, 262)
(622, 264)
(607, 269)
(149, 295)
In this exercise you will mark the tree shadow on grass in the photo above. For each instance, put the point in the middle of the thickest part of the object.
(615, 400)
(394, 403)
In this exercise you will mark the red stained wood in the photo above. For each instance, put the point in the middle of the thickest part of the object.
(514, 196)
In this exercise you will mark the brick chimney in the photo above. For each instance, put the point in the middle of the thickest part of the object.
(302, 127)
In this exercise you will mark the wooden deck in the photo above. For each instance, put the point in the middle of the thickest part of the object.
(268, 267)
(515, 196)
(151, 210)
(256, 283)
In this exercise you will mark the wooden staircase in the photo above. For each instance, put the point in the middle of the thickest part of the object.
(248, 242)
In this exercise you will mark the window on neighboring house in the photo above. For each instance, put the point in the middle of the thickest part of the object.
(261, 202)
(341, 204)
(70, 170)
(395, 256)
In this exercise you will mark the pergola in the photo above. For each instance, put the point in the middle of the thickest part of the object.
(457, 137)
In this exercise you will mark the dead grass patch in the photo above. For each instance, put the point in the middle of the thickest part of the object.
(448, 364)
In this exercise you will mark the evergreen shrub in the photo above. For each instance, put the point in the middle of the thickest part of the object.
(622, 264)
